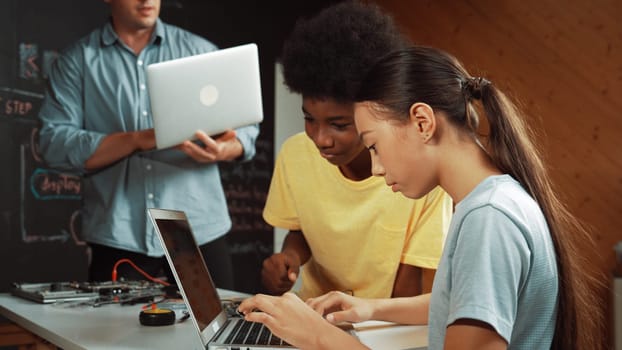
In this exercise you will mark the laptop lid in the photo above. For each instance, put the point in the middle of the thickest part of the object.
(213, 92)
(216, 329)
(193, 279)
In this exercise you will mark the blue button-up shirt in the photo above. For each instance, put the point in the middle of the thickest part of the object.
(98, 87)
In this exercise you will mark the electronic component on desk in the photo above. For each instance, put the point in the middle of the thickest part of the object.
(121, 287)
(102, 292)
(47, 293)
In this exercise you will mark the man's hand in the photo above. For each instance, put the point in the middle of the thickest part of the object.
(119, 145)
(225, 147)
(279, 272)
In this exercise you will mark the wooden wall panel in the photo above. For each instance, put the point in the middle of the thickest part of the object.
(563, 59)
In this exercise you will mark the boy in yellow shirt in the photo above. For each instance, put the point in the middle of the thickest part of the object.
(347, 227)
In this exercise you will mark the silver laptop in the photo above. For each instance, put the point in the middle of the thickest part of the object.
(218, 329)
(213, 92)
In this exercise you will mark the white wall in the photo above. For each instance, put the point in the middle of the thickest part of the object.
(288, 120)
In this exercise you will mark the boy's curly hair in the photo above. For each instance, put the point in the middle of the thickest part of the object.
(327, 56)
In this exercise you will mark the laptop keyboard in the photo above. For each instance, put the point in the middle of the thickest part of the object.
(252, 333)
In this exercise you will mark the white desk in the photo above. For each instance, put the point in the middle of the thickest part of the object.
(117, 327)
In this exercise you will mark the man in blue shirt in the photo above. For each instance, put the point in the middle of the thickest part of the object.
(96, 120)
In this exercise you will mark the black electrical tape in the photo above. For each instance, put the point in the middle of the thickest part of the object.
(157, 317)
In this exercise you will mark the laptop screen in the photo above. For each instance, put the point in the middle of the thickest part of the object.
(189, 267)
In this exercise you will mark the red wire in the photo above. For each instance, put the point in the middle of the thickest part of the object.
(149, 277)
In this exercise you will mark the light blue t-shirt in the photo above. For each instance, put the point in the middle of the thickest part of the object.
(499, 267)
(98, 87)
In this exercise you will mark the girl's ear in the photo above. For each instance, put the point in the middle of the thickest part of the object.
(423, 118)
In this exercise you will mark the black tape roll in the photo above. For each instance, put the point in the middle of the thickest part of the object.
(157, 317)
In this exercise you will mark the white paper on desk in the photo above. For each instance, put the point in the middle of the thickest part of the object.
(391, 336)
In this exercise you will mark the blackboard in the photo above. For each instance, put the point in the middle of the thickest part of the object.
(40, 207)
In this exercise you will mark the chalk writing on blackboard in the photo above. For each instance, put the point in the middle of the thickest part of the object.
(49, 199)
(254, 247)
(49, 57)
(19, 103)
(47, 184)
(246, 190)
(31, 67)
(28, 54)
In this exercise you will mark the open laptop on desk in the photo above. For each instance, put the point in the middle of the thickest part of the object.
(216, 328)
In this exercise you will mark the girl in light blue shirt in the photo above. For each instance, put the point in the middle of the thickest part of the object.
(508, 277)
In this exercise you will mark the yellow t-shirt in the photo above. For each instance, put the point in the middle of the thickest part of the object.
(358, 231)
